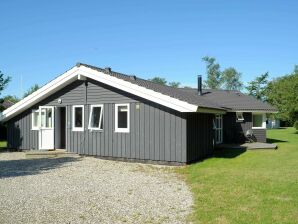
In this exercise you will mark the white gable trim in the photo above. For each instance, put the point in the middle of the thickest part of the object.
(134, 89)
(81, 72)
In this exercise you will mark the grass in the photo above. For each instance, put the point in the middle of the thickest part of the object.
(257, 186)
(3, 144)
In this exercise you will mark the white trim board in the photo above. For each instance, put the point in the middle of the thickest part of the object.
(81, 73)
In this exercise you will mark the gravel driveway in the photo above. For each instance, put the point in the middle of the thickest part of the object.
(75, 189)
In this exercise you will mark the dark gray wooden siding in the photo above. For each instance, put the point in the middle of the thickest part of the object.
(156, 132)
(234, 131)
(20, 135)
(149, 125)
(200, 136)
(260, 135)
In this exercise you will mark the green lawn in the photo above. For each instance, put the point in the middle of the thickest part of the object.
(2, 144)
(259, 186)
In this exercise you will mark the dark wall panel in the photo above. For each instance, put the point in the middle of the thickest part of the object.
(200, 135)
(234, 131)
(20, 135)
(156, 132)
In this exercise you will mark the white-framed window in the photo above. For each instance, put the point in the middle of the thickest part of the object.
(121, 117)
(258, 121)
(96, 117)
(239, 116)
(35, 120)
(78, 118)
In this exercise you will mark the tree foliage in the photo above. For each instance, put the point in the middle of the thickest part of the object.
(3, 81)
(231, 79)
(11, 98)
(174, 84)
(257, 87)
(159, 80)
(31, 90)
(214, 79)
(283, 93)
(164, 82)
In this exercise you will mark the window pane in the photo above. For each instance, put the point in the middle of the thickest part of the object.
(35, 118)
(95, 117)
(78, 117)
(43, 118)
(239, 116)
(49, 118)
(257, 120)
(122, 117)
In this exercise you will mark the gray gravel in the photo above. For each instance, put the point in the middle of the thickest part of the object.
(77, 189)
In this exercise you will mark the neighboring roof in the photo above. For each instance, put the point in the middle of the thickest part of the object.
(233, 100)
(6, 104)
(180, 99)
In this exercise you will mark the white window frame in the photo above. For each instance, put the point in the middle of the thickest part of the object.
(73, 118)
(263, 120)
(32, 120)
(100, 117)
(124, 130)
(218, 128)
(239, 116)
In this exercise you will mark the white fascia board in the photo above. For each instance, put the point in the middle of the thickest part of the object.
(40, 94)
(255, 111)
(134, 89)
(82, 72)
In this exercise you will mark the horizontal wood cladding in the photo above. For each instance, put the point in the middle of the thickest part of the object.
(200, 136)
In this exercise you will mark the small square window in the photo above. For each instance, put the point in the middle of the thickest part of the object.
(239, 116)
(122, 117)
(257, 120)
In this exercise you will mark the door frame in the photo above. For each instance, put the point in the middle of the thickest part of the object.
(41, 128)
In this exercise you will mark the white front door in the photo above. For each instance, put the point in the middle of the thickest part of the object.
(46, 130)
(218, 129)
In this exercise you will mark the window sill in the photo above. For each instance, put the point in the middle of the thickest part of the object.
(81, 129)
(95, 129)
(121, 131)
(258, 128)
(34, 129)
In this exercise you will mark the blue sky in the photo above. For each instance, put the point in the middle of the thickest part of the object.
(41, 39)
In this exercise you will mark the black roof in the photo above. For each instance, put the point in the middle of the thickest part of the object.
(213, 99)
(233, 100)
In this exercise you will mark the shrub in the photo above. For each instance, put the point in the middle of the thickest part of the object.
(296, 125)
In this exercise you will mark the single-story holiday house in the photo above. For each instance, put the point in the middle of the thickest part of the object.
(94, 111)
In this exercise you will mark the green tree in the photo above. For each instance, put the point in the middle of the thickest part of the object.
(214, 79)
(3, 81)
(31, 90)
(159, 80)
(11, 98)
(283, 93)
(231, 79)
(257, 87)
(174, 84)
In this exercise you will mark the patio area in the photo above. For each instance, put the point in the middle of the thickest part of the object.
(251, 146)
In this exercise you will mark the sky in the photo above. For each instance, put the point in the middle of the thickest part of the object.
(40, 40)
